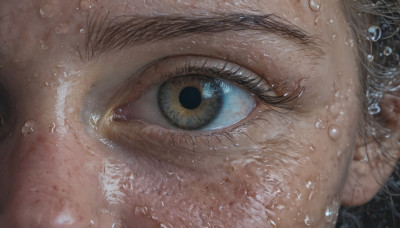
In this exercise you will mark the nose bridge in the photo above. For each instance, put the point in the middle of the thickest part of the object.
(48, 182)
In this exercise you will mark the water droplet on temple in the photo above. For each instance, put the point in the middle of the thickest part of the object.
(48, 8)
(387, 51)
(370, 58)
(375, 33)
(315, 5)
(334, 132)
(28, 128)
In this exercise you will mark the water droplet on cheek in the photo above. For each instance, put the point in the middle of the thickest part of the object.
(315, 5)
(334, 132)
(331, 212)
(28, 128)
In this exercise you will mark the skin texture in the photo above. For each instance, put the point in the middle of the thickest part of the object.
(64, 163)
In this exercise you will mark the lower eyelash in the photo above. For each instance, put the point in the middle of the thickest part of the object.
(183, 140)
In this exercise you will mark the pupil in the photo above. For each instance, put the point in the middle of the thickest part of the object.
(190, 98)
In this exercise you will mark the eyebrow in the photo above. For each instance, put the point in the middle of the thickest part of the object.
(105, 35)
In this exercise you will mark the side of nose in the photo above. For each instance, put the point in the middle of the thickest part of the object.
(49, 182)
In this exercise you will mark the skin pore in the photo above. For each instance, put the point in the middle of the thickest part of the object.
(65, 162)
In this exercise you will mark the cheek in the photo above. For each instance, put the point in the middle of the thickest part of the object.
(286, 183)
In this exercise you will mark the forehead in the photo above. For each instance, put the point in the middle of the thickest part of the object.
(57, 12)
(45, 24)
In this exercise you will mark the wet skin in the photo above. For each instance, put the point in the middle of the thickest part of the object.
(64, 162)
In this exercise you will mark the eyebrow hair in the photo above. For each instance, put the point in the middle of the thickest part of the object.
(105, 35)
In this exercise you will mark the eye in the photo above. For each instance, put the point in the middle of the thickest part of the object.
(193, 102)
(194, 93)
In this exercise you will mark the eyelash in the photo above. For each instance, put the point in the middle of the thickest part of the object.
(272, 95)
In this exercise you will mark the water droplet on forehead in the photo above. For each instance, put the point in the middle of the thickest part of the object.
(387, 51)
(374, 33)
(315, 5)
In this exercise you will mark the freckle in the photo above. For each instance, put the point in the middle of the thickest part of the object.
(334, 132)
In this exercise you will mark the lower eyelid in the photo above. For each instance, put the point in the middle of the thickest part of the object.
(181, 147)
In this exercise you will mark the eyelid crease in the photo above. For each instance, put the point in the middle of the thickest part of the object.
(260, 87)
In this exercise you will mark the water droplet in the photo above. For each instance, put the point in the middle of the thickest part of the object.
(86, 4)
(334, 132)
(315, 5)
(370, 58)
(374, 109)
(331, 212)
(62, 28)
(28, 128)
(272, 222)
(334, 36)
(387, 51)
(351, 42)
(319, 124)
(308, 185)
(375, 33)
(48, 8)
(308, 220)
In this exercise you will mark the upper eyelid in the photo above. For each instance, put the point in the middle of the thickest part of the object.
(249, 80)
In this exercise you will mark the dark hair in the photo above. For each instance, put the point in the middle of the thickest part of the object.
(376, 29)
